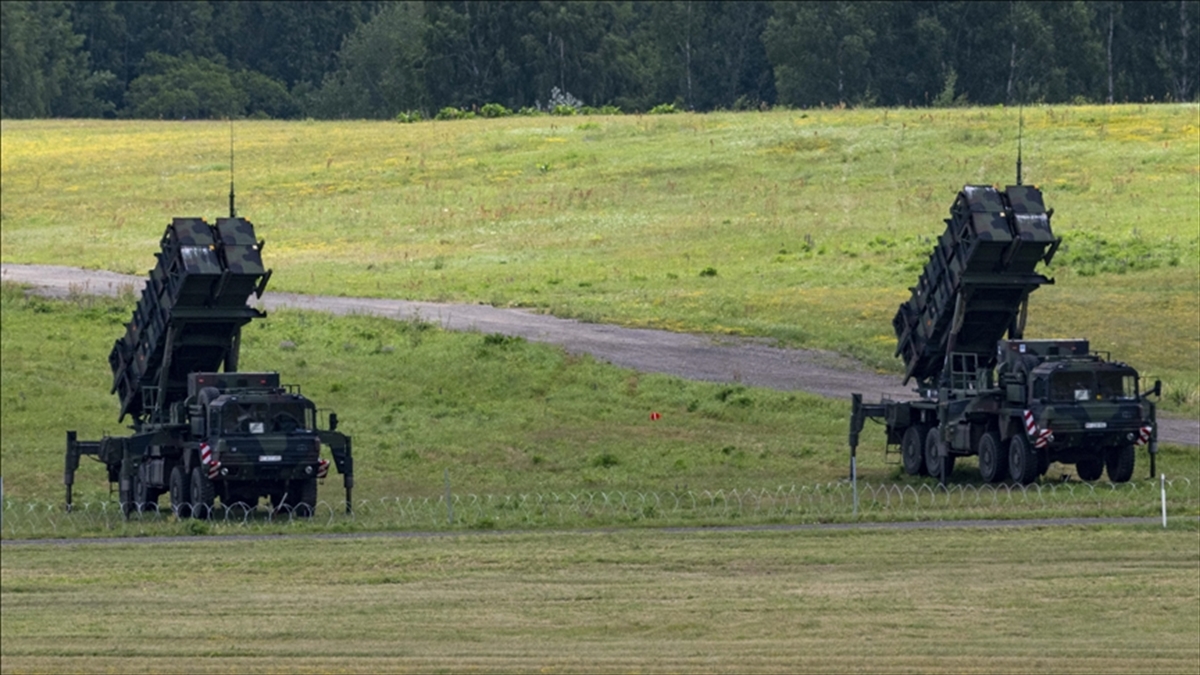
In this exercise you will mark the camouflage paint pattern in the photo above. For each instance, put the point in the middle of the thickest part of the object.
(1033, 401)
(204, 274)
(186, 324)
(986, 256)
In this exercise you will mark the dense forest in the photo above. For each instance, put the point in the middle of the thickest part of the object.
(364, 59)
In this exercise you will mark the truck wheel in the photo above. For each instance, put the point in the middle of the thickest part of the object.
(203, 493)
(936, 460)
(1022, 460)
(1089, 469)
(912, 451)
(1119, 462)
(180, 492)
(145, 498)
(993, 463)
(306, 491)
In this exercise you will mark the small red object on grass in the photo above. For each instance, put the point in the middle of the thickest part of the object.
(655, 416)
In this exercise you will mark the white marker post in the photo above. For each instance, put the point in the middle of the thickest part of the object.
(1162, 486)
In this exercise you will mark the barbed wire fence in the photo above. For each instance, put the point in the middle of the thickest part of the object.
(828, 502)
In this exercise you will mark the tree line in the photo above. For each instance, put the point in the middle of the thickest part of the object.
(367, 59)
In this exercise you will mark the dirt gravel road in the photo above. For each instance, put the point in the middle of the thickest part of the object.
(717, 359)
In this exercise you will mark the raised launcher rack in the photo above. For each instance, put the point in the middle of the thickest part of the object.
(977, 282)
(190, 315)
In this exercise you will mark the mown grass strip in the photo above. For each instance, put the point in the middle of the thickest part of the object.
(1062, 599)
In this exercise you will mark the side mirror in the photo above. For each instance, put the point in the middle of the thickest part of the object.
(1157, 390)
(333, 421)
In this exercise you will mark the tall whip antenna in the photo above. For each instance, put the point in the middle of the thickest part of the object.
(1020, 132)
(233, 213)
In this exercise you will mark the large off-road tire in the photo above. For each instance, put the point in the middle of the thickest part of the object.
(1119, 461)
(306, 491)
(938, 463)
(912, 451)
(181, 492)
(1022, 460)
(203, 493)
(1090, 469)
(145, 498)
(993, 461)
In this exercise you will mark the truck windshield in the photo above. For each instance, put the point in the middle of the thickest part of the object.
(1092, 386)
(265, 418)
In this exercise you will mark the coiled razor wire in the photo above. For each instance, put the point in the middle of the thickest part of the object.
(782, 504)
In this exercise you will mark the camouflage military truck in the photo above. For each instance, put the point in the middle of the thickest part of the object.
(200, 434)
(1017, 404)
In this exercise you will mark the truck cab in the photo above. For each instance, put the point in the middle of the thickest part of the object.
(1087, 410)
(254, 436)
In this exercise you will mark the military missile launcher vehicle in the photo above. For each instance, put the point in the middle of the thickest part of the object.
(202, 432)
(984, 389)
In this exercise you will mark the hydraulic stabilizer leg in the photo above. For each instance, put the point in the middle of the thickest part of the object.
(859, 413)
(856, 425)
(72, 463)
(343, 458)
(75, 448)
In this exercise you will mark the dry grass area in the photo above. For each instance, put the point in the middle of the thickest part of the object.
(1054, 599)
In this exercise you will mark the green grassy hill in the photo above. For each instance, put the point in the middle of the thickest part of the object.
(505, 416)
(802, 226)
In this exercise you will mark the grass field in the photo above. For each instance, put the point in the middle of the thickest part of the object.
(810, 224)
(497, 416)
(1056, 599)
(806, 227)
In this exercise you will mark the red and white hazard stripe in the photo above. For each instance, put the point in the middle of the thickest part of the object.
(1144, 434)
(322, 468)
(1030, 427)
(1041, 437)
(206, 458)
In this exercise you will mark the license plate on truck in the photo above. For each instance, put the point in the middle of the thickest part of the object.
(1095, 425)
(270, 458)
